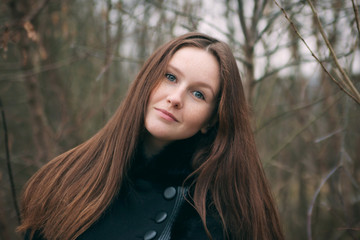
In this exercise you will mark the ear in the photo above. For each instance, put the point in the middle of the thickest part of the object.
(204, 130)
(209, 125)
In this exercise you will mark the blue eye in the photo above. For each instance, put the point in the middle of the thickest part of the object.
(170, 77)
(199, 95)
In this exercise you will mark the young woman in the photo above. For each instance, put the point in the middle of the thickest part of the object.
(176, 161)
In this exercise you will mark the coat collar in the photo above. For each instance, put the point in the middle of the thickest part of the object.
(171, 165)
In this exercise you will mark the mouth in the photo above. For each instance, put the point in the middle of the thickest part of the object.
(166, 113)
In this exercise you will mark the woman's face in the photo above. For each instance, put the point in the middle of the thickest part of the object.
(183, 102)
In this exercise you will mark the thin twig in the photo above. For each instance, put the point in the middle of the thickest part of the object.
(35, 11)
(8, 163)
(35, 71)
(287, 113)
(356, 11)
(298, 132)
(187, 15)
(346, 78)
(242, 20)
(309, 213)
(313, 54)
(274, 71)
(351, 178)
(329, 135)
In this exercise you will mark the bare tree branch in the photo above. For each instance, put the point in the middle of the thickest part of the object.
(35, 11)
(356, 11)
(303, 128)
(8, 163)
(309, 213)
(286, 114)
(346, 78)
(242, 20)
(34, 71)
(355, 98)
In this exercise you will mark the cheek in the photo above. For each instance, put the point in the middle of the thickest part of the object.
(156, 93)
(209, 115)
(200, 117)
(152, 98)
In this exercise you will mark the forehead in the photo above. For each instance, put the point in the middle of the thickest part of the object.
(194, 57)
(196, 64)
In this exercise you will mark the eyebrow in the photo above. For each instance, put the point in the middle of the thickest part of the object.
(176, 70)
(201, 83)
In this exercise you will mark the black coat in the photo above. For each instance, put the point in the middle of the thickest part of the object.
(155, 192)
(151, 204)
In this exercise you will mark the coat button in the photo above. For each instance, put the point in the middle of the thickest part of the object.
(160, 217)
(169, 193)
(150, 235)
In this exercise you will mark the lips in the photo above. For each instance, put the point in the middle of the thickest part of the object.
(167, 115)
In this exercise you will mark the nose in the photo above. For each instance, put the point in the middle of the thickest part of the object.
(175, 98)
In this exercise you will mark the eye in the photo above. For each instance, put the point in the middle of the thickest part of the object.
(170, 77)
(199, 95)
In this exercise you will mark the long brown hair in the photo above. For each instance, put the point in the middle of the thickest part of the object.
(67, 195)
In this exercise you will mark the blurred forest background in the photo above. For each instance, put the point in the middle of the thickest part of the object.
(65, 66)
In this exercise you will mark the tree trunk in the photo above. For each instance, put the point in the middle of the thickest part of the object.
(31, 53)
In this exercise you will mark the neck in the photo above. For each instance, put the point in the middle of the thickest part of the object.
(153, 145)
